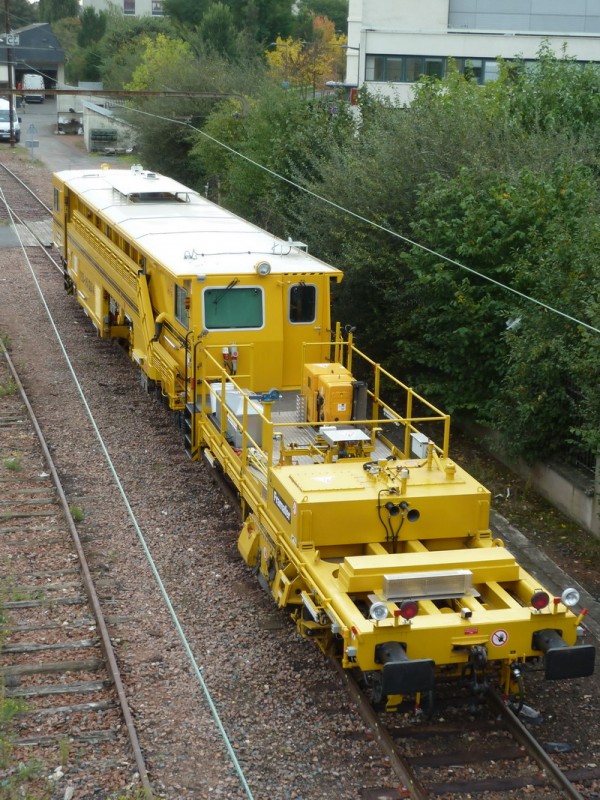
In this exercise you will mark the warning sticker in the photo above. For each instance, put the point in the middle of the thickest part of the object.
(499, 637)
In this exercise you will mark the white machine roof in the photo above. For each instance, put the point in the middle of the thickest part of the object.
(189, 237)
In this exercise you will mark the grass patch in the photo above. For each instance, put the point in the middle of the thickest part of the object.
(8, 389)
(13, 463)
(77, 513)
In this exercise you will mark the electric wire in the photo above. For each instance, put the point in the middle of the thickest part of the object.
(196, 668)
(371, 222)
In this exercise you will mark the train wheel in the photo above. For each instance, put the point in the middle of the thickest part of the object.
(516, 698)
(378, 698)
(427, 704)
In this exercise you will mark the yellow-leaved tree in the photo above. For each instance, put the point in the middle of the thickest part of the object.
(309, 65)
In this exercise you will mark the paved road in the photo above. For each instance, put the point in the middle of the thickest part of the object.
(56, 151)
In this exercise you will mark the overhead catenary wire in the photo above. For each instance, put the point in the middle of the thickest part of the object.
(163, 591)
(372, 223)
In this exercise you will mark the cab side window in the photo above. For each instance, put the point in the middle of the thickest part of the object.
(303, 303)
(182, 304)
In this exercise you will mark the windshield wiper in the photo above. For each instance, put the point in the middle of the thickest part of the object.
(224, 291)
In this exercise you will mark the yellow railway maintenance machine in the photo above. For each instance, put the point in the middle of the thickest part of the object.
(355, 515)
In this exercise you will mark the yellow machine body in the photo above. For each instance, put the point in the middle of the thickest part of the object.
(355, 515)
(156, 265)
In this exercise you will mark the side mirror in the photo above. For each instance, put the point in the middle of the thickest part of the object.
(19, 119)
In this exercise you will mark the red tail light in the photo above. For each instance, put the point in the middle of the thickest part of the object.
(409, 609)
(540, 600)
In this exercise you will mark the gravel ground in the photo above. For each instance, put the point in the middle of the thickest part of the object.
(285, 711)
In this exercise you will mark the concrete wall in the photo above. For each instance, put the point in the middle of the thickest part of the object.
(570, 493)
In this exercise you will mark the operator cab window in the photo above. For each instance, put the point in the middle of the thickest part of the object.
(233, 307)
(182, 305)
(303, 303)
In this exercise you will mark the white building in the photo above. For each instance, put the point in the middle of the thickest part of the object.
(130, 8)
(391, 43)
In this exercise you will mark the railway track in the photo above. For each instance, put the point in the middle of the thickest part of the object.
(472, 749)
(58, 664)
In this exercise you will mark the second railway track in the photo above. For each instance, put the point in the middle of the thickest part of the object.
(59, 668)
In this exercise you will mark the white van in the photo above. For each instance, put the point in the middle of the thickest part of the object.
(5, 114)
(31, 80)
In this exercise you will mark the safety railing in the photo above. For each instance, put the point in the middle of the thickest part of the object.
(257, 446)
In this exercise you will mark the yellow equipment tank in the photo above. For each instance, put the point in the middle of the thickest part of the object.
(328, 389)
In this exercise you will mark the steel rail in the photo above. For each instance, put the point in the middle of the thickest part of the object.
(105, 641)
(410, 784)
(533, 747)
(24, 185)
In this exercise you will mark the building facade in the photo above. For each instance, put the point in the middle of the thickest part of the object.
(130, 8)
(33, 48)
(392, 43)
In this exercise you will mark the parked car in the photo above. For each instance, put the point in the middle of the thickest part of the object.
(5, 115)
(31, 80)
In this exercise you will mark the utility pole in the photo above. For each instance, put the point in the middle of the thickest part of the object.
(11, 76)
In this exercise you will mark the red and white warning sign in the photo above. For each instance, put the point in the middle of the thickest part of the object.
(499, 637)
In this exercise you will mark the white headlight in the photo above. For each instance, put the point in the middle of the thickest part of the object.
(262, 268)
(378, 611)
(570, 597)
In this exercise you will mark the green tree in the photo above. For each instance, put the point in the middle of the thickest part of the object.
(188, 13)
(170, 63)
(21, 13)
(123, 46)
(282, 132)
(53, 10)
(218, 31)
(93, 26)
(556, 93)
(264, 19)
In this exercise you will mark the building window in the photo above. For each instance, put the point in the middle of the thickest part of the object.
(492, 71)
(375, 70)
(433, 67)
(182, 305)
(303, 303)
(414, 68)
(410, 69)
(157, 8)
(129, 6)
(230, 308)
(393, 69)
